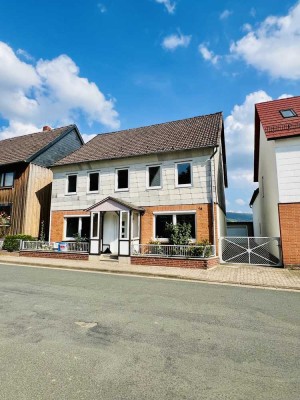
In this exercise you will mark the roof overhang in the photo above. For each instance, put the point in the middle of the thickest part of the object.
(112, 204)
(254, 196)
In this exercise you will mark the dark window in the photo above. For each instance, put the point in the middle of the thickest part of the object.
(72, 183)
(122, 179)
(72, 227)
(85, 227)
(160, 226)
(187, 219)
(184, 174)
(6, 209)
(154, 176)
(6, 179)
(94, 182)
(288, 113)
(95, 224)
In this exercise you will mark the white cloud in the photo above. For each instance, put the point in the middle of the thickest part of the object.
(273, 47)
(208, 55)
(50, 92)
(102, 8)
(239, 125)
(240, 202)
(170, 6)
(25, 54)
(225, 14)
(176, 40)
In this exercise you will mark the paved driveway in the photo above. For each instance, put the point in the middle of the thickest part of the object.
(77, 335)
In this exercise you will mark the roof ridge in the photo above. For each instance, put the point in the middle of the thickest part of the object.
(272, 101)
(152, 125)
(34, 133)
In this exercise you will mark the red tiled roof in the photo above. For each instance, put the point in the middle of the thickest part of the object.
(274, 124)
(191, 133)
(22, 148)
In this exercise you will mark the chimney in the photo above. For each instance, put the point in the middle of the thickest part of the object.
(46, 128)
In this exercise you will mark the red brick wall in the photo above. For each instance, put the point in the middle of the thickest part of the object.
(51, 254)
(175, 262)
(203, 220)
(289, 216)
(57, 223)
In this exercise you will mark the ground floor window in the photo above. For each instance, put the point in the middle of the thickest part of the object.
(160, 221)
(77, 226)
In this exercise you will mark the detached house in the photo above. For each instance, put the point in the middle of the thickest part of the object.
(122, 188)
(25, 179)
(276, 203)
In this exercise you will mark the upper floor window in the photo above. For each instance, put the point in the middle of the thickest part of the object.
(154, 177)
(93, 182)
(72, 184)
(288, 113)
(184, 174)
(122, 179)
(6, 179)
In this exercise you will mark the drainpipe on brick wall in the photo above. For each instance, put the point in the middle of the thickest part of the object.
(211, 159)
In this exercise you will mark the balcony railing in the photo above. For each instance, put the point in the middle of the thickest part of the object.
(79, 247)
(162, 250)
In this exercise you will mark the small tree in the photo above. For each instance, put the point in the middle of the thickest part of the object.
(42, 233)
(4, 224)
(179, 234)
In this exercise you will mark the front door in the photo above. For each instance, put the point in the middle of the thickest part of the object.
(111, 232)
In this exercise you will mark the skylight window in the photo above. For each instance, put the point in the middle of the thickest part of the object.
(288, 113)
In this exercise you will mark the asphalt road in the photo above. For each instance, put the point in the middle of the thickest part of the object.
(76, 335)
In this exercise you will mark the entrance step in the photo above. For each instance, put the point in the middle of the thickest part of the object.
(108, 257)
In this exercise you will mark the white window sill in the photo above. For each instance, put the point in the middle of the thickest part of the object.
(154, 187)
(71, 194)
(122, 190)
(184, 186)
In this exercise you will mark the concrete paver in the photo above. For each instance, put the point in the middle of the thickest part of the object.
(230, 274)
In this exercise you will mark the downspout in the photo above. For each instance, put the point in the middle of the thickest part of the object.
(212, 195)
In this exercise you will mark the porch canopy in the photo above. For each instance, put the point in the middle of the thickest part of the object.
(115, 226)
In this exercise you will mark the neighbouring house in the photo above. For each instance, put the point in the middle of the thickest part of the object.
(25, 179)
(122, 188)
(239, 224)
(276, 203)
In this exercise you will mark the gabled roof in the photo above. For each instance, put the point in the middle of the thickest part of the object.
(130, 206)
(274, 124)
(27, 147)
(191, 133)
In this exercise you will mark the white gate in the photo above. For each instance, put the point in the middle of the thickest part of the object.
(251, 250)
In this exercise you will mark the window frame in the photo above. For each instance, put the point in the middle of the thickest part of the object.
(117, 180)
(13, 179)
(174, 221)
(88, 182)
(177, 185)
(67, 238)
(67, 193)
(148, 177)
(294, 114)
(126, 237)
(92, 226)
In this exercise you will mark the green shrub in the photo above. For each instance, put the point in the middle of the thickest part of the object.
(12, 242)
(204, 249)
(179, 234)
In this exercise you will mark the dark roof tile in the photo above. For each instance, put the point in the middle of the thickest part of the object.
(191, 133)
(22, 148)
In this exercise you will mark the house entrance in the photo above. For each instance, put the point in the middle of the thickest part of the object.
(110, 242)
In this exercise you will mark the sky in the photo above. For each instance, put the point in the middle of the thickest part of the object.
(116, 64)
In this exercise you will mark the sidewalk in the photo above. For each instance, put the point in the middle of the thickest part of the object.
(231, 274)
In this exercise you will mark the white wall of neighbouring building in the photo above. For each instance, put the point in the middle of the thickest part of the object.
(288, 167)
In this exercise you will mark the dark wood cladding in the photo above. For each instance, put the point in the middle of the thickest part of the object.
(16, 196)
